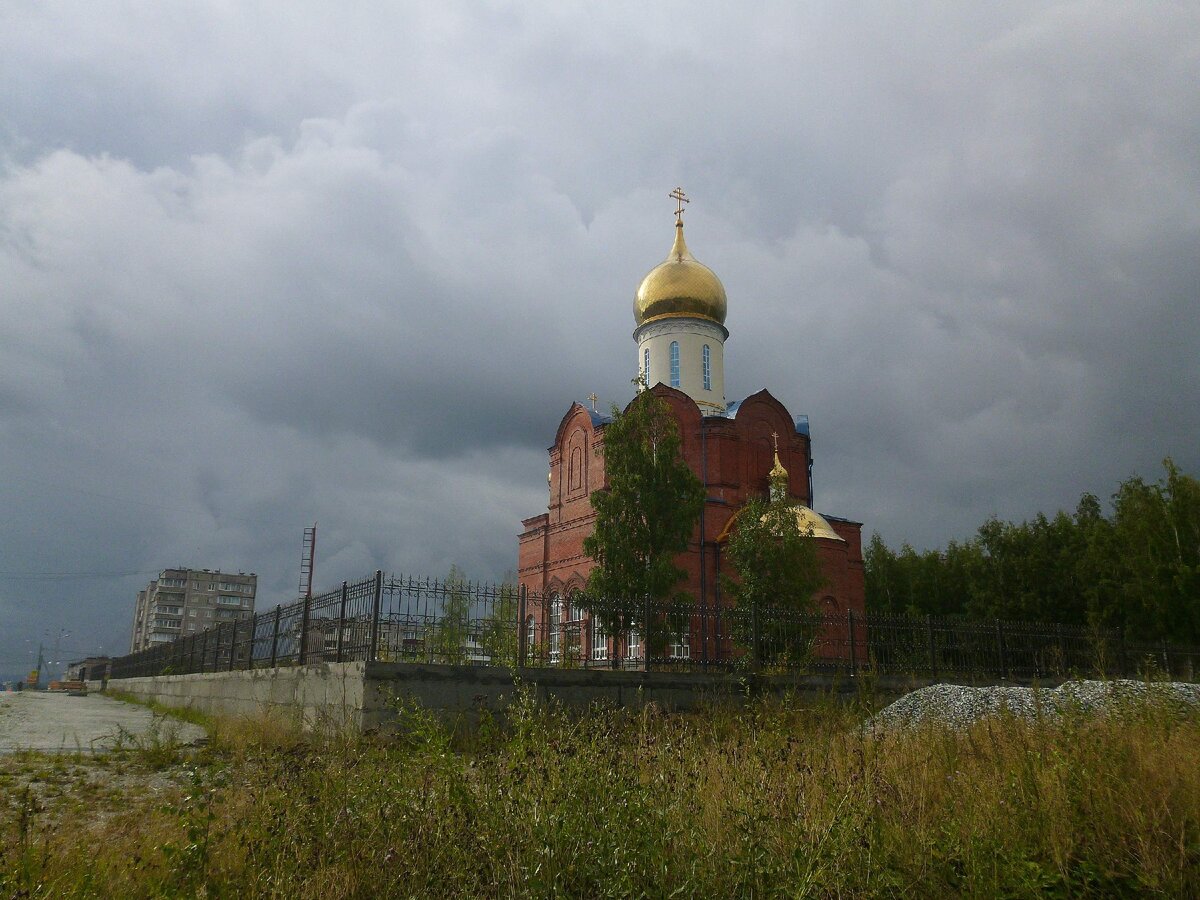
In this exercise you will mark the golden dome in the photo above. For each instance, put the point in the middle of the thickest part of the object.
(808, 521)
(680, 286)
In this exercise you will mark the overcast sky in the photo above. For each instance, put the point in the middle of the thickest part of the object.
(263, 265)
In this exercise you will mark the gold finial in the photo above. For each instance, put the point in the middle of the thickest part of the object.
(680, 198)
(592, 396)
(778, 477)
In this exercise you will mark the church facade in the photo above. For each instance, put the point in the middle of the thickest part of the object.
(733, 448)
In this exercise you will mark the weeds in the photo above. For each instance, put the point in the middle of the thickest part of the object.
(776, 799)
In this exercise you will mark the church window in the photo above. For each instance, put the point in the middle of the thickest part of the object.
(674, 363)
(681, 644)
(530, 634)
(575, 473)
(555, 626)
(707, 368)
(599, 640)
(646, 366)
(633, 649)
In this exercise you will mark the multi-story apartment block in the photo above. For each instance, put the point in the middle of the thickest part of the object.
(182, 601)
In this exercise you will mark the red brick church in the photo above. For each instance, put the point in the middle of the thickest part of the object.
(679, 312)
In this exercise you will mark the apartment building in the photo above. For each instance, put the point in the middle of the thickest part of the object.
(182, 601)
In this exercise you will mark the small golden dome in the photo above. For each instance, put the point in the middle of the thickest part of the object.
(778, 480)
(778, 471)
(809, 521)
(680, 286)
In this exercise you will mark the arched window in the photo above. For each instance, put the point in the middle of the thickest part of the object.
(575, 470)
(599, 639)
(555, 626)
(707, 369)
(674, 363)
(646, 366)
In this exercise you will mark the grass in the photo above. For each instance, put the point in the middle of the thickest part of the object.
(778, 799)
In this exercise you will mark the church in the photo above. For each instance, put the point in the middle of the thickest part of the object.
(739, 449)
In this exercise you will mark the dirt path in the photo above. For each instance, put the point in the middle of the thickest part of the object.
(36, 720)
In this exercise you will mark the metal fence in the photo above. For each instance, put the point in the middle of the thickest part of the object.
(405, 619)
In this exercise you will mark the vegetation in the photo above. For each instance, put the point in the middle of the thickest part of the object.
(777, 570)
(776, 800)
(499, 638)
(448, 643)
(1137, 568)
(644, 519)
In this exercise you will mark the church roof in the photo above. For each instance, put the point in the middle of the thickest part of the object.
(731, 409)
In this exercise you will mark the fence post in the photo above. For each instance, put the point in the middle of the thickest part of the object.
(1000, 648)
(233, 644)
(275, 636)
(1166, 657)
(374, 652)
(1063, 668)
(522, 632)
(933, 666)
(853, 643)
(302, 653)
(341, 621)
(203, 650)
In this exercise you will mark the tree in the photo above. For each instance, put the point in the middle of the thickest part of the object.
(645, 517)
(778, 573)
(449, 641)
(1156, 530)
(499, 636)
(1137, 570)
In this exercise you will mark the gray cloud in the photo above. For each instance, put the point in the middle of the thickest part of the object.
(264, 268)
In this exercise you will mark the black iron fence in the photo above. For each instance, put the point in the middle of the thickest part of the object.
(404, 619)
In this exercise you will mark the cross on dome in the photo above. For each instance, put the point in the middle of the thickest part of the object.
(680, 198)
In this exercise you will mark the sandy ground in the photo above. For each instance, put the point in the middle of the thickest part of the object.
(36, 720)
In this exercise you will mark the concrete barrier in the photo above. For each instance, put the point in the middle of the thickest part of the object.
(365, 696)
(328, 694)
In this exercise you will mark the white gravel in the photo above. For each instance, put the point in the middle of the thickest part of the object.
(959, 706)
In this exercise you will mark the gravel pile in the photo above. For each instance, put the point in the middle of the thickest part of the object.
(958, 705)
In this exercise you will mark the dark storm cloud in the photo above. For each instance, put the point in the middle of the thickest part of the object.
(356, 272)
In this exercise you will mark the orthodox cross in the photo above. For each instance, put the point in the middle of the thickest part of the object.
(592, 396)
(680, 198)
(775, 440)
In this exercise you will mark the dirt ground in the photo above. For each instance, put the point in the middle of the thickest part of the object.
(41, 721)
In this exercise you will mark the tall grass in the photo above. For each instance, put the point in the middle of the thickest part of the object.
(778, 799)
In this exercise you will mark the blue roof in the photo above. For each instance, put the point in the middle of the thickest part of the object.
(598, 418)
(731, 410)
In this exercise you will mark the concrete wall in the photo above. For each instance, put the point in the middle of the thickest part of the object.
(325, 694)
(365, 695)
